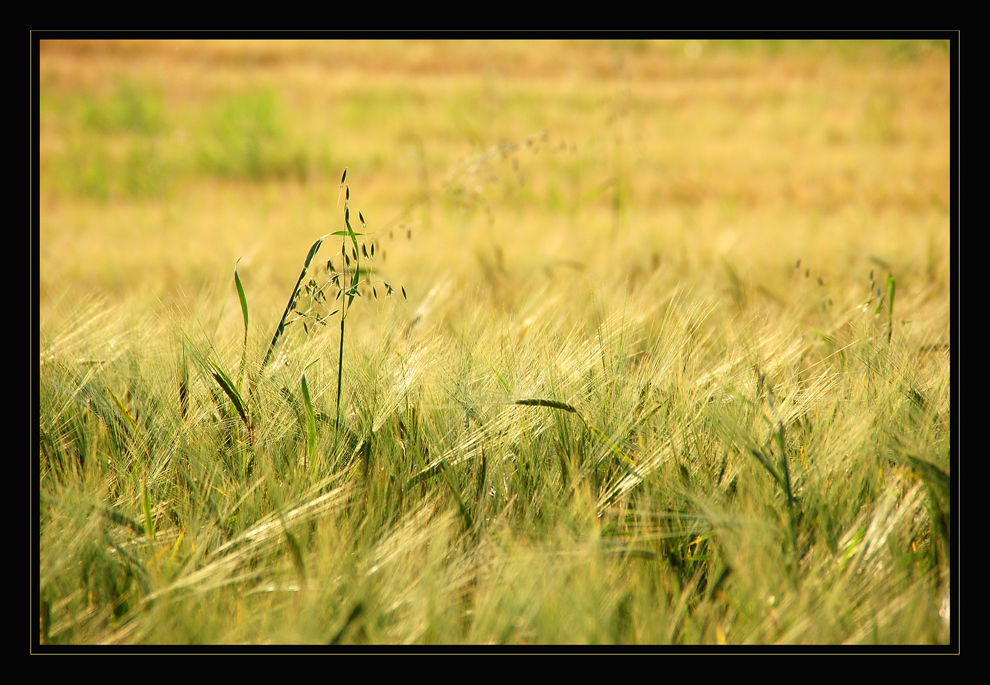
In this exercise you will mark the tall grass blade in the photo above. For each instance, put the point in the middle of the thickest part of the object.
(244, 312)
(149, 524)
(465, 515)
(785, 474)
(292, 298)
(767, 464)
(130, 420)
(310, 424)
(227, 385)
(184, 385)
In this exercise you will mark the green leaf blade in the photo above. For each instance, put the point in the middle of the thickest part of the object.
(310, 423)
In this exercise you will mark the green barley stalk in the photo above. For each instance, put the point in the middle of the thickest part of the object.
(779, 471)
(465, 514)
(889, 300)
(149, 524)
(890, 306)
(624, 459)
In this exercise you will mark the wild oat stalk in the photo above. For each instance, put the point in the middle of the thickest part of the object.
(308, 287)
(351, 290)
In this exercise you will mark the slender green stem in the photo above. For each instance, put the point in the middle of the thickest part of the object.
(340, 367)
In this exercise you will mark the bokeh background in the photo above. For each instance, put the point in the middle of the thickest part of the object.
(501, 165)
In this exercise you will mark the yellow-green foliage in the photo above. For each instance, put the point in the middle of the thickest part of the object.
(650, 384)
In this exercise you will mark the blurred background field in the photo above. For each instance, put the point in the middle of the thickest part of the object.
(163, 162)
(646, 281)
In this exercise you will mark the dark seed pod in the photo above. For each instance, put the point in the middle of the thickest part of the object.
(404, 293)
(343, 177)
(364, 250)
(361, 217)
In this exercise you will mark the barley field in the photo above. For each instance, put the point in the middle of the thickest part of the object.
(494, 345)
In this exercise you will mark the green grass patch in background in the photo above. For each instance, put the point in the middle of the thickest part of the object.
(245, 138)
